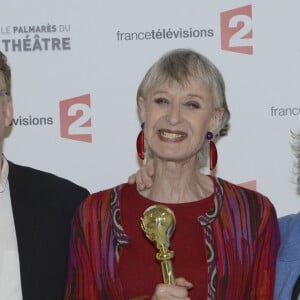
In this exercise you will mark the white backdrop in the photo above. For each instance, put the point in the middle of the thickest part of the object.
(77, 64)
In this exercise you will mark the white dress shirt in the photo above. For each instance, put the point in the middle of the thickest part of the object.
(10, 281)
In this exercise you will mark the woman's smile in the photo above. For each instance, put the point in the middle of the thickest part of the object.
(167, 135)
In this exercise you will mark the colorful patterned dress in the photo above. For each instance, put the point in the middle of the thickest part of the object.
(241, 234)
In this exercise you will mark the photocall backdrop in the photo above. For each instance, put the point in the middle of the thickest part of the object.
(77, 65)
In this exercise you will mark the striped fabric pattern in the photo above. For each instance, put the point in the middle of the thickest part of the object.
(242, 239)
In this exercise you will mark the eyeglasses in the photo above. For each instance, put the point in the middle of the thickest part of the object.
(3, 93)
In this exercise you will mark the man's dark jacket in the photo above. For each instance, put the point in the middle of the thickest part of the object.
(43, 205)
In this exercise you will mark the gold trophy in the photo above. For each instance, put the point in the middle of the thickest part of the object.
(158, 224)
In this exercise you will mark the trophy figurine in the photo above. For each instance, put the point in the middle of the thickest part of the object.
(158, 224)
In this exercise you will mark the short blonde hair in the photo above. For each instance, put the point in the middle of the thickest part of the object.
(181, 65)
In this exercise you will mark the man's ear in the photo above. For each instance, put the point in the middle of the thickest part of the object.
(8, 111)
(141, 107)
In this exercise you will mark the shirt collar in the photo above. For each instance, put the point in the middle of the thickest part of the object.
(4, 174)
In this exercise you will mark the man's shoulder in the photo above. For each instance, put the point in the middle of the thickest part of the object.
(25, 175)
(290, 227)
(290, 219)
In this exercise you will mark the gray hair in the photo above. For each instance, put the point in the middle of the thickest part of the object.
(181, 65)
(296, 150)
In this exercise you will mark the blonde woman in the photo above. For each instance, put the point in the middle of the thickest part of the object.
(226, 237)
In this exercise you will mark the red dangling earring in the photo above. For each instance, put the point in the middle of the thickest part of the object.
(212, 151)
(140, 146)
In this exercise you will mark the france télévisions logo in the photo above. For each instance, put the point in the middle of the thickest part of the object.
(75, 118)
(236, 30)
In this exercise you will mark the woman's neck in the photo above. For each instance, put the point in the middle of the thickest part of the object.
(178, 183)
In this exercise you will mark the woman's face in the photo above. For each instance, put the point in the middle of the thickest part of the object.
(177, 119)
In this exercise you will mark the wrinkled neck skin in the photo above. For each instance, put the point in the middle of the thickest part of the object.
(178, 182)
